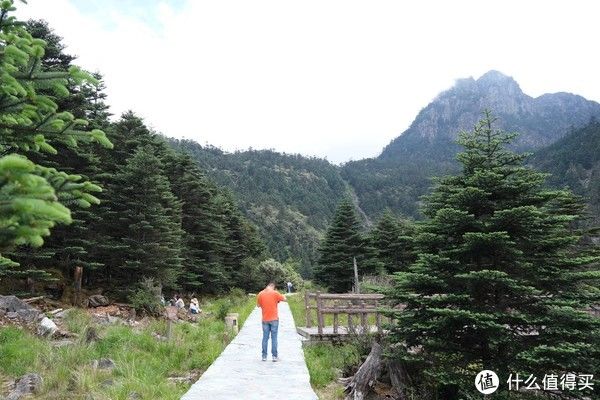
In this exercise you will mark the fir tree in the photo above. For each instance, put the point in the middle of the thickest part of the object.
(33, 195)
(392, 240)
(70, 245)
(343, 241)
(244, 248)
(204, 240)
(152, 217)
(501, 281)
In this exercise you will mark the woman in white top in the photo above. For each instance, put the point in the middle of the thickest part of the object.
(194, 306)
(179, 303)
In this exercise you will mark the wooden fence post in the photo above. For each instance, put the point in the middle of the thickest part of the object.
(77, 277)
(335, 323)
(320, 320)
(307, 308)
(363, 317)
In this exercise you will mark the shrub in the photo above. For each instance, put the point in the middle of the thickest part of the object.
(273, 271)
(146, 298)
(223, 307)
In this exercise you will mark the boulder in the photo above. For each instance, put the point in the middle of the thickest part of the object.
(107, 383)
(104, 363)
(28, 384)
(97, 300)
(47, 327)
(16, 308)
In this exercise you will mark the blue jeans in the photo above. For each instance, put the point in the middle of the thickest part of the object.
(269, 328)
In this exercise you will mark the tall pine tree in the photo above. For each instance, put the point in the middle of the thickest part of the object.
(343, 241)
(70, 245)
(393, 242)
(152, 217)
(33, 194)
(205, 236)
(502, 279)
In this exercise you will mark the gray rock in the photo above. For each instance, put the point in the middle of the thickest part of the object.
(28, 384)
(134, 396)
(115, 320)
(104, 363)
(97, 300)
(47, 327)
(17, 308)
(107, 383)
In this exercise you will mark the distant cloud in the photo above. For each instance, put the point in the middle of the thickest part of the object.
(333, 78)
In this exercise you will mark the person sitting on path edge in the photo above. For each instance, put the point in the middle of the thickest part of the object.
(267, 300)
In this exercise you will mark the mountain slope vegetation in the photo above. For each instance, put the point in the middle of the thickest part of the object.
(574, 162)
(291, 198)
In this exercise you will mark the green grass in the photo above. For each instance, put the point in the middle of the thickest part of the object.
(327, 362)
(143, 362)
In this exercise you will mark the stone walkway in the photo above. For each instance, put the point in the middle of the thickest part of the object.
(239, 373)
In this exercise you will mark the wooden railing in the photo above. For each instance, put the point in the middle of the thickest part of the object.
(360, 305)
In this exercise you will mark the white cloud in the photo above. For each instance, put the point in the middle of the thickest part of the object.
(335, 78)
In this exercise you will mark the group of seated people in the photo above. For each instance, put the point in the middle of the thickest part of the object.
(177, 301)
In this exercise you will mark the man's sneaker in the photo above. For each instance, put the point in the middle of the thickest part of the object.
(264, 358)
(275, 359)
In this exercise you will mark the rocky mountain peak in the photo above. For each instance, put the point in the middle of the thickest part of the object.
(494, 77)
(540, 121)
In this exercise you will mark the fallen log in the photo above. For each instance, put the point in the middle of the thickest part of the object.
(33, 299)
(358, 386)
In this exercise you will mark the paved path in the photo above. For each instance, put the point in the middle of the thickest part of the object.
(239, 373)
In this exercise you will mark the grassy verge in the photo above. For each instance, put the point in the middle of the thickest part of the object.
(143, 362)
(326, 362)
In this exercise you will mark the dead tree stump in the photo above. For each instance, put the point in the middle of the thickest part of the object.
(358, 386)
(398, 379)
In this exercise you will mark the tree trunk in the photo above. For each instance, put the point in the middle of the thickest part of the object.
(359, 385)
(356, 283)
(398, 378)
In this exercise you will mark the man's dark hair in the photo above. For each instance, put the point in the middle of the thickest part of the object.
(271, 283)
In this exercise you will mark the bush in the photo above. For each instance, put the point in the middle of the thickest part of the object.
(273, 271)
(223, 307)
(146, 298)
(237, 296)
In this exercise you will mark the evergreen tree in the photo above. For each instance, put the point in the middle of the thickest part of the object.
(33, 195)
(501, 281)
(152, 217)
(343, 241)
(204, 240)
(392, 240)
(72, 245)
(244, 248)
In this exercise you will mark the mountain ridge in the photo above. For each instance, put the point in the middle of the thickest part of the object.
(400, 175)
(291, 197)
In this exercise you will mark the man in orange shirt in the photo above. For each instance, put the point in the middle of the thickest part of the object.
(267, 300)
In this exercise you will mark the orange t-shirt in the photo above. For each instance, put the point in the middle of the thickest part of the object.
(267, 300)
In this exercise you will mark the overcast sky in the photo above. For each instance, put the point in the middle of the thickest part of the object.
(336, 79)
